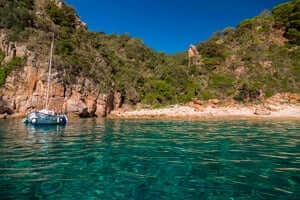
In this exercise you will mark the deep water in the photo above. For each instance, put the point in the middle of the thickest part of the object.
(140, 159)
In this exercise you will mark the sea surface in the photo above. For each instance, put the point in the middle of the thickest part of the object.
(151, 159)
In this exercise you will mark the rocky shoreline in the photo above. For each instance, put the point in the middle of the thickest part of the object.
(186, 112)
(25, 89)
(280, 106)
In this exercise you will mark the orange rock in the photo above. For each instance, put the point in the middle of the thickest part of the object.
(283, 98)
(271, 108)
(198, 108)
(197, 101)
(262, 111)
(190, 104)
(229, 103)
(214, 101)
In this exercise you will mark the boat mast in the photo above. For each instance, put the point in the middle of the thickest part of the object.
(49, 71)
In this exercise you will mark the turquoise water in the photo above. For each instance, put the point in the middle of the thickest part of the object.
(106, 159)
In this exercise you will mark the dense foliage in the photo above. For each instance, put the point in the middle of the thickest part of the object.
(255, 60)
(16, 13)
(288, 14)
(6, 68)
(64, 17)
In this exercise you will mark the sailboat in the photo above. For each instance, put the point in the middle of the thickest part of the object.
(46, 116)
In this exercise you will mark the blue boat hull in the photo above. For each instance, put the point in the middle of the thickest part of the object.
(37, 118)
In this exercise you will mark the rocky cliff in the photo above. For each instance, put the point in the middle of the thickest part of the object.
(24, 89)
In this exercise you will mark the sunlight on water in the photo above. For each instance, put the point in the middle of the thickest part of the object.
(105, 159)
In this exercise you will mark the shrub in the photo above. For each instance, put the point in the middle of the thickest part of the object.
(2, 56)
(159, 92)
(2, 76)
(269, 93)
(206, 95)
(64, 47)
(5, 69)
(246, 93)
(14, 35)
(211, 62)
(14, 63)
(212, 49)
(283, 11)
(288, 15)
(16, 13)
(294, 35)
(221, 81)
(221, 84)
(64, 16)
(246, 24)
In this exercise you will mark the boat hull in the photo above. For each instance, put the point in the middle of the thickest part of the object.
(38, 118)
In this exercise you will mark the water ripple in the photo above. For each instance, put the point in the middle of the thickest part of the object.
(140, 159)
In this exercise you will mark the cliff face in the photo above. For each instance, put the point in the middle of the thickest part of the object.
(25, 89)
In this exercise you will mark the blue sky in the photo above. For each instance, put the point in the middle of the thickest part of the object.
(167, 25)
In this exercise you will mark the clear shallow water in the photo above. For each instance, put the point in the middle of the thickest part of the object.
(108, 159)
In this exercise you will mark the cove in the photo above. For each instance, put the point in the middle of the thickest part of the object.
(150, 159)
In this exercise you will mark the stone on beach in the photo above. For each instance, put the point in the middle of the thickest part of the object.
(262, 111)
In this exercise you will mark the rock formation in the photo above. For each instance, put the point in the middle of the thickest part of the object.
(193, 56)
(262, 111)
(192, 52)
(25, 89)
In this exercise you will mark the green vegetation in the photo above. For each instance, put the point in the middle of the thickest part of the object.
(245, 63)
(2, 72)
(267, 66)
(6, 68)
(288, 16)
(64, 17)
(16, 13)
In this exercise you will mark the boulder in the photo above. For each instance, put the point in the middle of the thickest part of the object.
(117, 100)
(4, 108)
(272, 108)
(126, 108)
(101, 106)
(284, 98)
(3, 116)
(262, 111)
(198, 101)
(91, 104)
(76, 106)
(230, 103)
(214, 101)
(198, 108)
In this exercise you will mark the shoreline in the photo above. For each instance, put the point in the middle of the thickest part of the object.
(240, 112)
(211, 112)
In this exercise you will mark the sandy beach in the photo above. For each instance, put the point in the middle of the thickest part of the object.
(213, 112)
